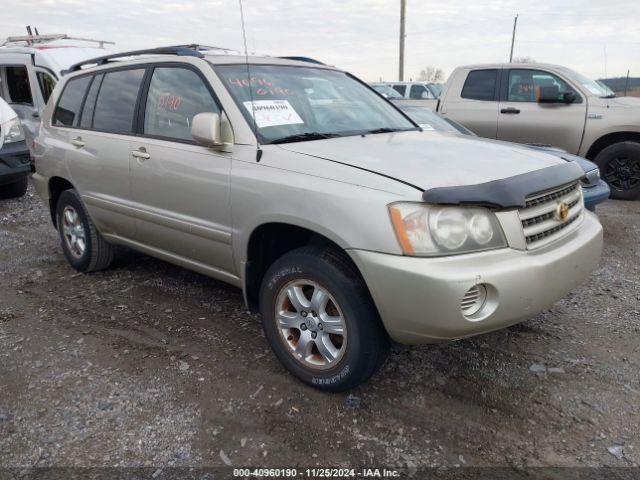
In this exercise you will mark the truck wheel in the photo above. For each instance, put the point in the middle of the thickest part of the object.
(16, 189)
(82, 244)
(320, 319)
(620, 168)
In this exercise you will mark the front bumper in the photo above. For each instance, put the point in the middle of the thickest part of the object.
(595, 195)
(14, 162)
(419, 298)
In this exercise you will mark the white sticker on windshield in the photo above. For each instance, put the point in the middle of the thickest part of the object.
(426, 126)
(271, 113)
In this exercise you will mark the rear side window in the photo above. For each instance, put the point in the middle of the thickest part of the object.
(480, 85)
(175, 96)
(47, 84)
(18, 85)
(86, 120)
(116, 102)
(68, 109)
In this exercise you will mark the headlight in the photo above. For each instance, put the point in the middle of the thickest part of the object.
(12, 131)
(430, 230)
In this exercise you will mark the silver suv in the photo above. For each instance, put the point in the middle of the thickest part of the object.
(345, 225)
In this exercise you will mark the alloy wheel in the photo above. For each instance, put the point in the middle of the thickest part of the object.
(73, 232)
(311, 324)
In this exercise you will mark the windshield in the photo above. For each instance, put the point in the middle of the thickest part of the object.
(590, 85)
(387, 91)
(427, 119)
(436, 89)
(306, 103)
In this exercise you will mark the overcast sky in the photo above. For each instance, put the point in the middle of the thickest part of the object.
(360, 35)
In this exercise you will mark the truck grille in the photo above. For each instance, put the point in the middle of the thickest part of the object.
(541, 219)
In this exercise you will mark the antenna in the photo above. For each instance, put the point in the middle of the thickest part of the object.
(253, 111)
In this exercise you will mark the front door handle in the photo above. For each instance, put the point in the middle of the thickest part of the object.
(511, 110)
(141, 154)
(77, 142)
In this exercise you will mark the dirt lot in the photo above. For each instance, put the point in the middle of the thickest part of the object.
(148, 364)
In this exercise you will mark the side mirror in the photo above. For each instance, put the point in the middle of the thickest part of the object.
(205, 129)
(569, 97)
(549, 94)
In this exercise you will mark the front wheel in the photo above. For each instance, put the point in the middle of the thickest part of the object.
(620, 168)
(320, 320)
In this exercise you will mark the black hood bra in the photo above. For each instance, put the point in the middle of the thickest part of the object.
(510, 192)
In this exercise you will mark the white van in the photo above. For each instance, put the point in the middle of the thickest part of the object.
(31, 65)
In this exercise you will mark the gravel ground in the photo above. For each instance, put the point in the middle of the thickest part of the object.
(148, 364)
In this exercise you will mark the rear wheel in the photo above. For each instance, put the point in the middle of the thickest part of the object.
(16, 189)
(620, 168)
(320, 320)
(82, 244)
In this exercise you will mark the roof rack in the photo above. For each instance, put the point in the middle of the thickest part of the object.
(192, 50)
(40, 39)
(303, 59)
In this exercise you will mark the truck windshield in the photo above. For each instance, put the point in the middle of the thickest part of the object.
(593, 87)
(291, 104)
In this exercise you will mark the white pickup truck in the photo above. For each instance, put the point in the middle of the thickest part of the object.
(550, 105)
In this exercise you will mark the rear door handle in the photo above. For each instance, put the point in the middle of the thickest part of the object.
(77, 142)
(141, 154)
(510, 110)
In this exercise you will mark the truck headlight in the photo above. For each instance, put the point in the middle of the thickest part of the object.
(12, 131)
(430, 230)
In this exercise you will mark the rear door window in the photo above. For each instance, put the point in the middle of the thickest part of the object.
(175, 96)
(18, 85)
(68, 109)
(480, 85)
(116, 104)
(86, 119)
(419, 92)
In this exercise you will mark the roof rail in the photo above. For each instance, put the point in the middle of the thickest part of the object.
(180, 50)
(40, 39)
(303, 59)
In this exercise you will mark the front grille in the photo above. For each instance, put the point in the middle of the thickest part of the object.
(541, 223)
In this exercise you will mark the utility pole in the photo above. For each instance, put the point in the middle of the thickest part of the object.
(403, 5)
(513, 38)
(626, 84)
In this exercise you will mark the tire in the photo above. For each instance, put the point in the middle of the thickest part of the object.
(96, 254)
(16, 189)
(620, 168)
(357, 353)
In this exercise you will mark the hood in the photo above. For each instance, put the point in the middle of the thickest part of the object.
(624, 102)
(428, 160)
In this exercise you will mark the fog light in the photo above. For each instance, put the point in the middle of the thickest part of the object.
(473, 300)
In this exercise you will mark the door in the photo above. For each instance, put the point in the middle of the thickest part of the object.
(523, 120)
(100, 147)
(180, 188)
(18, 87)
(477, 106)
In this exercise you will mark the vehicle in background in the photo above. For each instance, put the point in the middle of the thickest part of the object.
(595, 190)
(30, 67)
(552, 106)
(345, 225)
(412, 93)
(14, 154)
(386, 91)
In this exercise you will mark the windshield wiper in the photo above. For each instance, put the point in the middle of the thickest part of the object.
(302, 137)
(386, 130)
(611, 95)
